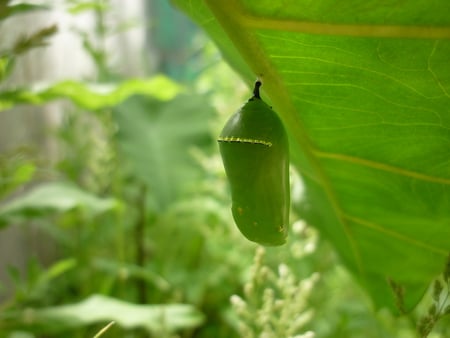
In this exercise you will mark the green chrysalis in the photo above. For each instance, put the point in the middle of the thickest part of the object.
(255, 153)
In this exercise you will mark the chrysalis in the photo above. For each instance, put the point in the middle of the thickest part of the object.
(255, 153)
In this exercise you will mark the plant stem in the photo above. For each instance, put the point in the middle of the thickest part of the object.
(140, 243)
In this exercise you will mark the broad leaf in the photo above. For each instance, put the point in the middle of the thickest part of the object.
(53, 197)
(98, 309)
(364, 90)
(91, 96)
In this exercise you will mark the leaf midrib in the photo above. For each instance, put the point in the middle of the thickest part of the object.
(356, 30)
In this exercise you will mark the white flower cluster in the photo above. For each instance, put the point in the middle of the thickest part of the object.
(274, 303)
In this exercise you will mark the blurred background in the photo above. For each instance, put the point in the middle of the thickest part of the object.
(114, 207)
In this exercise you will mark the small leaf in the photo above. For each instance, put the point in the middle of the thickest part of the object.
(7, 10)
(24, 173)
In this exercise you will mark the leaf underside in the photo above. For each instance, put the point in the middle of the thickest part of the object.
(363, 88)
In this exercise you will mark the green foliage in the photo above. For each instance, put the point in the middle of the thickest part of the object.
(51, 198)
(441, 303)
(92, 96)
(137, 206)
(85, 210)
(159, 137)
(8, 8)
(16, 168)
(362, 88)
(22, 44)
(97, 308)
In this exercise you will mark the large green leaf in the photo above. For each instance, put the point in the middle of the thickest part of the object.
(364, 90)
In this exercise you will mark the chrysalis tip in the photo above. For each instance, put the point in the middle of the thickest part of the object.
(258, 84)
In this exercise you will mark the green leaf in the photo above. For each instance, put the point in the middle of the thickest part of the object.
(158, 138)
(91, 96)
(363, 88)
(23, 173)
(54, 197)
(8, 10)
(132, 271)
(82, 7)
(98, 309)
(6, 65)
